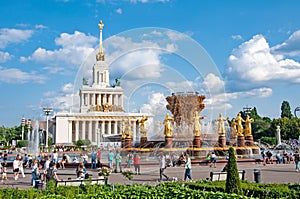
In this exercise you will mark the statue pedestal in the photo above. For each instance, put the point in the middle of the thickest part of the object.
(168, 141)
(197, 142)
(249, 140)
(128, 143)
(241, 141)
(222, 141)
(143, 141)
(123, 142)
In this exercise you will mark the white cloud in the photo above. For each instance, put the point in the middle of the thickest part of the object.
(236, 37)
(63, 100)
(148, 1)
(141, 59)
(174, 36)
(14, 75)
(213, 83)
(5, 56)
(290, 47)
(181, 86)
(40, 26)
(13, 36)
(75, 49)
(254, 62)
(119, 11)
(156, 103)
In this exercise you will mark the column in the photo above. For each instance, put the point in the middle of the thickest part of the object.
(76, 130)
(100, 99)
(96, 128)
(116, 100)
(109, 128)
(70, 132)
(134, 135)
(94, 99)
(115, 128)
(90, 131)
(104, 98)
(83, 130)
(110, 98)
(120, 100)
(102, 128)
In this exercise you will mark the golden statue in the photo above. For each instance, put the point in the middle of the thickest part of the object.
(239, 121)
(123, 129)
(233, 128)
(127, 130)
(197, 124)
(142, 123)
(168, 126)
(221, 126)
(248, 130)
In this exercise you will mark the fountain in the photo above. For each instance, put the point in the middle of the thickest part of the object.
(33, 137)
(183, 133)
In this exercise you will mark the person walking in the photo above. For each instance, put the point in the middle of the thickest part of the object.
(99, 158)
(129, 160)
(188, 167)
(162, 167)
(93, 160)
(21, 168)
(34, 168)
(136, 164)
(118, 162)
(213, 159)
(297, 158)
(16, 168)
(110, 159)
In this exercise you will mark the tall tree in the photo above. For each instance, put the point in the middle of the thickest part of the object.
(233, 184)
(286, 110)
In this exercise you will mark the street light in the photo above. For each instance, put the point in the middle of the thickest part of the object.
(23, 121)
(28, 128)
(47, 111)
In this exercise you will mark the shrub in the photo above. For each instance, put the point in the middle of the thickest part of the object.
(233, 184)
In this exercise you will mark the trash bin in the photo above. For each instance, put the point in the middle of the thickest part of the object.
(257, 175)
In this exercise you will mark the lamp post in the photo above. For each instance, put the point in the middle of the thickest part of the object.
(23, 121)
(28, 128)
(47, 112)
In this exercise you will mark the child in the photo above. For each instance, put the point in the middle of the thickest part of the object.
(4, 170)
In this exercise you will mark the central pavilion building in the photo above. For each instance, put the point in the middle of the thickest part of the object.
(101, 116)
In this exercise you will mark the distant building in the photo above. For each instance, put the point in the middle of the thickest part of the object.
(101, 110)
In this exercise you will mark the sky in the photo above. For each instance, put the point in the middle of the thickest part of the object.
(236, 53)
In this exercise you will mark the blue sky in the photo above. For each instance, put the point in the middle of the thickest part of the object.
(46, 47)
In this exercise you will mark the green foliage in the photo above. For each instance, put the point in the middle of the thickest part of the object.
(9, 134)
(233, 184)
(269, 140)
(289, 128)
(128, 174)
(83, 143)
(22, 143)
(200, 189)
(286, 110)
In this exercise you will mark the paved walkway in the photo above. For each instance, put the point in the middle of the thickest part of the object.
(271, 173)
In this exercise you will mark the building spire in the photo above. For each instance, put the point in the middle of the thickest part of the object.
(100, 54)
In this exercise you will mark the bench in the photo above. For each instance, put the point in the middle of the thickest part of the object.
(217, 176)
(78, 182)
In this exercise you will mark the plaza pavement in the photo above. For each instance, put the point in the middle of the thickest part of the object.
(271, 173)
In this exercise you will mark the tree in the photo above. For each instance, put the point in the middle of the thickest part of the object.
(233, 184)
(286, 110)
